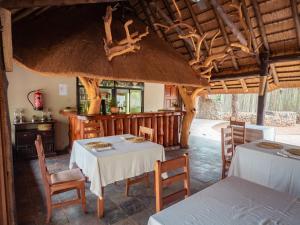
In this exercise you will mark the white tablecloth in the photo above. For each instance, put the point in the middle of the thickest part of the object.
(266, 167)
(256, 132)
(124, 161)
(232, 201)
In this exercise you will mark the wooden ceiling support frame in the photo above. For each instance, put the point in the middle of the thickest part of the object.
(169, 19)
(14, 4)
(274, 74)
(221, 13)
(225, 36)
(199, 29)
(244, 85)
(294, 6)
(260, 24)
(263, 88)
(5, 16)
(249, 24)
(7, 203)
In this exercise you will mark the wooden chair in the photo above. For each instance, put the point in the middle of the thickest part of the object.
(148, 133)
(227, 149)
(60, 182)
(160, 183)
(239, 132)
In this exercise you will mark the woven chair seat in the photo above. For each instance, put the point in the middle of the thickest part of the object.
(66, 176)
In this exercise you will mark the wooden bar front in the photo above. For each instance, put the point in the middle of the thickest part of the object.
(166, 126)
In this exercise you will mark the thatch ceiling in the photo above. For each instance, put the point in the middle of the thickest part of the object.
(69, 41)
(274, 24)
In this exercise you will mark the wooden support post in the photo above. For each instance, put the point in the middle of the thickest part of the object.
(7, 203)
(189, 100)
(264, 69)
(5, 16)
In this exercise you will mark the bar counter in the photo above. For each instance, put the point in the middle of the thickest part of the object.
(166, 125)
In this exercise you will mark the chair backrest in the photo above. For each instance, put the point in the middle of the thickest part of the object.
(42, 162)
(160, 182)
(239, 131)
(227, 143)
(146, 132)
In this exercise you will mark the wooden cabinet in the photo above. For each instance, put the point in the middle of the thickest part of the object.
(171, 96)
(25, 135)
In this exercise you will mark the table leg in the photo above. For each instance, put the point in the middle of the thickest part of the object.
(100, 205)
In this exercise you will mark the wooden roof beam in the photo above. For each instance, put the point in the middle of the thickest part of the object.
(187, 43)
(294, 6)
(5, 16)
(248, 21)
(199, 29)
(274, 74)
(225, 36)
(244, 85)
(246, 75)
(13, 4)
(260, 24)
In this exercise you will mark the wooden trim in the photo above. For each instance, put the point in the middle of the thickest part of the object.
(5, 16)
(13, 4)
(7, 204)
(260, 24)
(294, 6)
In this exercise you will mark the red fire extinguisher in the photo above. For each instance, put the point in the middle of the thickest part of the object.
(37, 99)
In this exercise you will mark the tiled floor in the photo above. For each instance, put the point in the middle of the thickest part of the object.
(119, 210)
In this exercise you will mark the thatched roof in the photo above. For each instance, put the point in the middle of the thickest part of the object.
(69, 41)
(273, 23)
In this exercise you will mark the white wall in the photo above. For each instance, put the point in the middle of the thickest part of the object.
(153, 97)
(21, 82)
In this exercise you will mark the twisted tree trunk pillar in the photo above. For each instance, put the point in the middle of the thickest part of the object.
(234, 106)
(92, 90)
(189, 100)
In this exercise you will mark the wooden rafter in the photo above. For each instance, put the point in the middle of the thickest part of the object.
(188, 45)
(225, 36)
(5, 16)
(260, 24)
(294, 6)
(224, 85)
(150, 19)
(274, 74)
(199, 29)
(252, 35)
(14, 4)
(221, 13)
(244, 85)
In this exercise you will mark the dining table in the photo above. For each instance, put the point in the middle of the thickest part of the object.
(232, 201)
(268, 163)
(124, 159)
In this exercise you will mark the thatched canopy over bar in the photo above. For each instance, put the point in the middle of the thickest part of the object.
(69, 41)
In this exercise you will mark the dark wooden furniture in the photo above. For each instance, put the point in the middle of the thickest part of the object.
(227, 149)
(181, 162)
(62, 181)
(166, 126)
(25, 135)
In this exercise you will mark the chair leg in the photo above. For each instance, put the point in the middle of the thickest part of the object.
(127, 187)
(83, 200)
(78, 192)
(49, 208)
(147, 180)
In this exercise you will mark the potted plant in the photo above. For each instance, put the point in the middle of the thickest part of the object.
(114, 105)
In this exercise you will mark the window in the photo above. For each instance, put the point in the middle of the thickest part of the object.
(129, 96)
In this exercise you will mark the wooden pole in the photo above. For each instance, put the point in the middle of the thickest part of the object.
(7, 203)
(262, 98)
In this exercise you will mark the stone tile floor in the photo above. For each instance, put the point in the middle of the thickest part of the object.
(205, 167)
